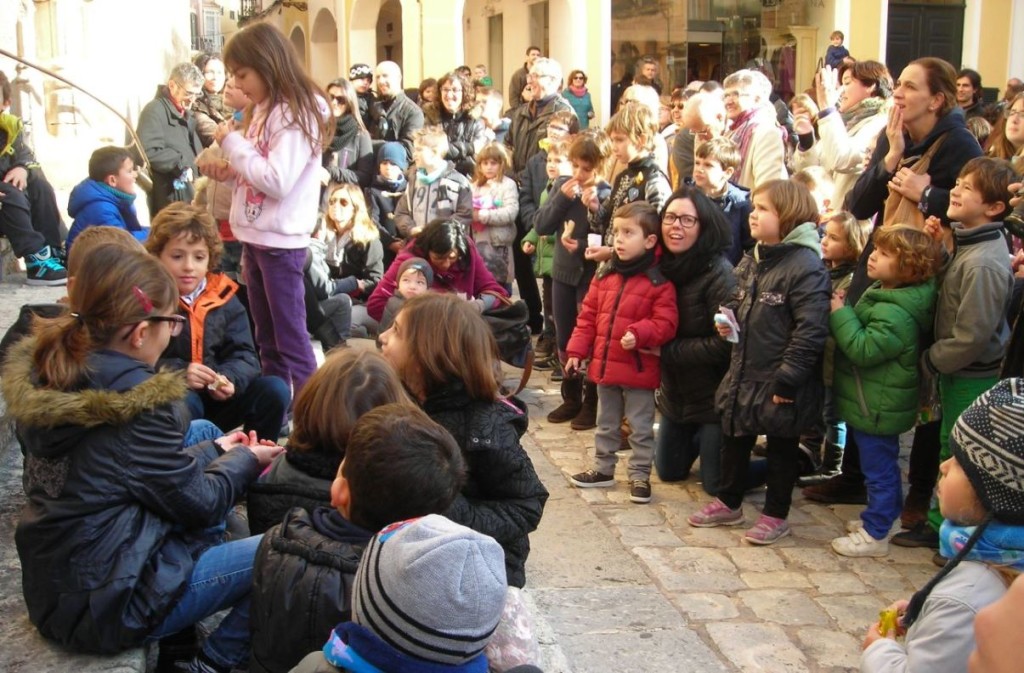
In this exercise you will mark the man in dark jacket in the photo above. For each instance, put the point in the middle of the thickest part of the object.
(393, 116)
(518, 81)
(167, 129)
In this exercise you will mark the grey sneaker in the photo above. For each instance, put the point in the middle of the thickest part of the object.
(592, 479)
(767, 530)
(716, 513)
(44, 269)
(640, 491)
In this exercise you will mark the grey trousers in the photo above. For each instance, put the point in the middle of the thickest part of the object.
(637, 406)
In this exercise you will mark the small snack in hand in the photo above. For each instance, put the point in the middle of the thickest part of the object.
(887, 621)
(220, 382)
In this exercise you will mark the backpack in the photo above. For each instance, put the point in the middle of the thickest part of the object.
(509, 325)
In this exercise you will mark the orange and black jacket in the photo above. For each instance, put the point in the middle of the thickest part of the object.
(217, 334)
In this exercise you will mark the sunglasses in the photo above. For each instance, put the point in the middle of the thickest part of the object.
(340, 100)
(339, 202)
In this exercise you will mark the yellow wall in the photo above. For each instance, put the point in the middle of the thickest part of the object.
(868, 25)
(994, 52)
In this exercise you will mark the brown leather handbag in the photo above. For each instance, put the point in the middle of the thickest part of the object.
(898, 208)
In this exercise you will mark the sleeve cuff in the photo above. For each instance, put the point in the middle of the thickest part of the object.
(785, 390)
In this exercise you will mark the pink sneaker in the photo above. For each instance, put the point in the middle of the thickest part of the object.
(767, 530)
(716, 513)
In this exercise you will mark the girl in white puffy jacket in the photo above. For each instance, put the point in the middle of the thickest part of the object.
(495, 207)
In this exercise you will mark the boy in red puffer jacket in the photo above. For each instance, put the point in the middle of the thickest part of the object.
(628, 313)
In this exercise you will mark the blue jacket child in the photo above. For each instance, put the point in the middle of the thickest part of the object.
(107, 196)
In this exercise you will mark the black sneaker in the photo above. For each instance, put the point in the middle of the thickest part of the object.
(640, 491)
(921, 535)
(44, 269)
(594, 479)
(547, 364)
(557, 375)
(939, 560)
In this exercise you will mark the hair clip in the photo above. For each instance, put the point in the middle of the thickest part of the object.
(78, 317)
(144, 301)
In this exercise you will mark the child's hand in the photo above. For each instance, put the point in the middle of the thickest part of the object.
(724, 329)
(529, 248)
(802, 124)
(598, 253)
(572, 366)
(874, 633)
(222, 130)
(1017, 264)
(781, 400)
(1014, 188)
(231, 440)
(589, 198)
(838, 300)
(628, 341)
(933, 227)
(570, 188)
(266, 452)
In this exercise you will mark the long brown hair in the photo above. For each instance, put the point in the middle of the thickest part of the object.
(449, 341)
(267, 51)
(114, 288)
(1000, 146)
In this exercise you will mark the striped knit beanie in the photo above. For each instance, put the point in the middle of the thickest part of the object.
(431, 589)
(988, 442)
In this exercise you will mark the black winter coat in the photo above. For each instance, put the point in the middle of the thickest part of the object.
(302, 586)
(550, 220)
(694, 363)
(116, 507)
(503, 496)
(172, 144)
(349, 157)
(394, 120)
(528, 123)
(782, 305)
(465, 136)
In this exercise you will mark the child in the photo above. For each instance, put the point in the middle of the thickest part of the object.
(215, 346)
(438, 192)
(387, 188)
(415, 276)
(836, 52)
(971, 331)
(564, 215)
(629, 307)
(774, 384)
(398, 464)
(714, 164)
(107, 196)
(276, 157)
(980, 499)
(816, 179)
(495, 206)
(877, 349)
(841, 245)
(428, 596)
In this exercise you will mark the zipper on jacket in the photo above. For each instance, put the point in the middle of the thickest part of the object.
(611, 324)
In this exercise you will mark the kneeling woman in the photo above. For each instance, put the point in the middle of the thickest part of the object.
(119, 540)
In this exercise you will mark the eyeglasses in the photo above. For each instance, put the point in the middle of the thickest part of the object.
(445, 91)
(187, 94)
(1010, 114)
(678, 106)
(558, 129)
(340, 100)
(177, 324)
(579, 77)
(736, 94)
(340, 201)
(684, 221)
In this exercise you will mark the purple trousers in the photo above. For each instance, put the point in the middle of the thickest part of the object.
(273, 277)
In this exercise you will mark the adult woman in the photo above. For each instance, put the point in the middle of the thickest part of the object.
(1010, 143)
(452, 111)
(209, 107)
(851, 117)
(349, 157)
(444, 353)
(456, 264)
(579, 98)
(694, 237)
(754, 129)
(119, 538)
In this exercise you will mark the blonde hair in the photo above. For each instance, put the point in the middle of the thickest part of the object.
(95, 236)
(433, 137)
(637, 123)
(490, 152)
(855, 232)
(363, 229)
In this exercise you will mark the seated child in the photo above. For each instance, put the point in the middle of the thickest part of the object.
(438, 192)
(398, 464)
(414, 278)
(382, 197)
(714, 164)
(350, 383)
(495, 206)
(107, 196)
(215, 346)
(428, 596)
(982, 533)
(877, 350)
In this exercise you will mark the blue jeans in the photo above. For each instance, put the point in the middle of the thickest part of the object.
(879, 456)
(260, 407)
(200, 431)
(681, 444)
(221, 579)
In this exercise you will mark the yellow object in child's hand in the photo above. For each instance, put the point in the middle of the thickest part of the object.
(887, 622)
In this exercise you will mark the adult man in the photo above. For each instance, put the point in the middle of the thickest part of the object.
(393, 116)
(519, 77)
(647, 73)
(167, 129)
(361, 76)
(968, 92)
(703, 117)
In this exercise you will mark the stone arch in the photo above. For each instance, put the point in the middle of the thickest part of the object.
(323, 47)
(362, 31)
(298, 39)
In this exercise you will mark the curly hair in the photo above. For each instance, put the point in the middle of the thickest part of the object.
(918, 255)
(192, 222)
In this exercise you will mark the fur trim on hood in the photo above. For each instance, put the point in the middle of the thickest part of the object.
(33, 406)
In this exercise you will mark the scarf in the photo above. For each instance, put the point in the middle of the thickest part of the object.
(117, 193)
(865, 109)
(353, 647)
(633, 266)
(741, 133)
(391, 187)
(578, 91)
(687, 265)
(999, 543)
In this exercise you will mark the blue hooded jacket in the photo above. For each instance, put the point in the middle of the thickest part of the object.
(94, 203)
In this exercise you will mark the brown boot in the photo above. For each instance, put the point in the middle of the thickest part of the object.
(837, 490)
(587, 417)
(572, 400)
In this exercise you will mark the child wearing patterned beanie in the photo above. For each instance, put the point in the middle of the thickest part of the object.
(981, 497)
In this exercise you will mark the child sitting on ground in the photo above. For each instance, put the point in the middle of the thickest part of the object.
(438, 191)
(980, 497)
(107, 196)
(382, 197)
(714, 164)
(398, 464)
(415, 276)
(877, 350)
(215, 346)
(628, 313)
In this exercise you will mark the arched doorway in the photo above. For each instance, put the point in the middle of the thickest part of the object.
(323, 57)
(298, 41)
(389, 32)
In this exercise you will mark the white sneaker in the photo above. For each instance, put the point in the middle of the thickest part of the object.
(854, 525)
(859, 543)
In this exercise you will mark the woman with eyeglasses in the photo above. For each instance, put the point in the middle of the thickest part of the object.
(1010, 143)
(579, 98)
(209, 106)
(121, 538)
(349, 157)
(453, 111)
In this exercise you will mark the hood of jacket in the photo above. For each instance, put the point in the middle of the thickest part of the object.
(10, 126)
(119, 389)
(917, 300)
(805, 235)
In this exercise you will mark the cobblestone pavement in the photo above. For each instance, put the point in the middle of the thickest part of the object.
(623, 587)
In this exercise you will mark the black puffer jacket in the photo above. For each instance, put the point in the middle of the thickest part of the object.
(465, 136)
(302, 586)
(528, 124)
(116, 508)
(394, 119)
(782, 305)
(349, 157)
(696, 360)
(503, 496)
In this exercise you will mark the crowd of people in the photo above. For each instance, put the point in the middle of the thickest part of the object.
(703, 270)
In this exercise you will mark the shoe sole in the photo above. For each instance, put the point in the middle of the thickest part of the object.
(35, 282)
(639, 499)
(875, 554)
(715, 524)
(581, 426)
(763, 543)
(587, 484)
